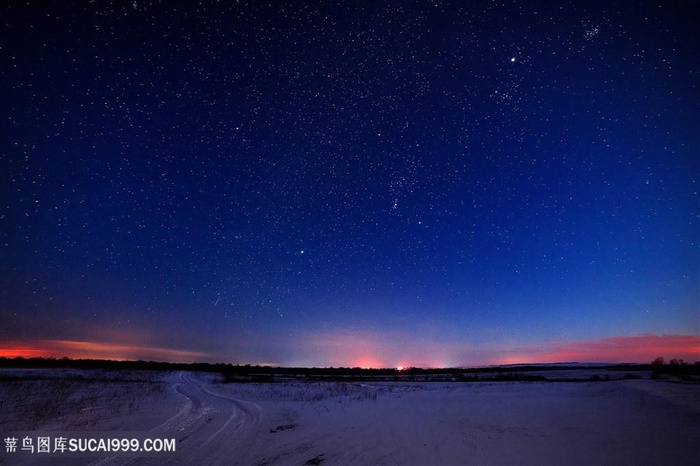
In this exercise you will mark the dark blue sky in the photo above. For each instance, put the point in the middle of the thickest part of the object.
(349, 183)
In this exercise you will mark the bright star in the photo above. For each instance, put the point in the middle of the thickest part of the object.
(512, 59)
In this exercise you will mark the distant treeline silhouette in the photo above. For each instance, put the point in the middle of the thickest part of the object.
(248, 373)
(68, 363)
(675, 368)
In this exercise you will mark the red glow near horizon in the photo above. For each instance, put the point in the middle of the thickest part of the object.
(13, 350)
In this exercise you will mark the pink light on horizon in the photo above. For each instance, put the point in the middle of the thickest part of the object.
(342, 348)
(374, 349)
(619, 349)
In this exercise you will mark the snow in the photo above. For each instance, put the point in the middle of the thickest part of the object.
(302, 422)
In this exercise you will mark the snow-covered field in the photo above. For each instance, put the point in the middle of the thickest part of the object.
(483, 423)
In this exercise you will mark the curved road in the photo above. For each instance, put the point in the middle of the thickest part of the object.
(209, 429)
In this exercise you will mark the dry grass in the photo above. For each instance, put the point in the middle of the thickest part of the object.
(72, 399)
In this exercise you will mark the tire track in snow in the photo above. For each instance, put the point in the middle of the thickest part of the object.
(185, 415)
(218, 429)
(247, 414)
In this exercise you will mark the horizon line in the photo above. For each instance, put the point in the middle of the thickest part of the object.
(271, 366)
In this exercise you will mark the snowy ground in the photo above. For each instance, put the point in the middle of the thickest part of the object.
(483, 423)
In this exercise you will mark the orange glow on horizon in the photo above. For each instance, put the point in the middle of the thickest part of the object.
(93, 350)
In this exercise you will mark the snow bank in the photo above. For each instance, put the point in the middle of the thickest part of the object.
(614, 422)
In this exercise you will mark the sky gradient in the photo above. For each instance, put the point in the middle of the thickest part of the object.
(370, 184)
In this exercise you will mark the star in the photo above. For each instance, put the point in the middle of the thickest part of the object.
(405, 159)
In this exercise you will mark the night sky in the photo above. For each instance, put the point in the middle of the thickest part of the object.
(372, 184)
